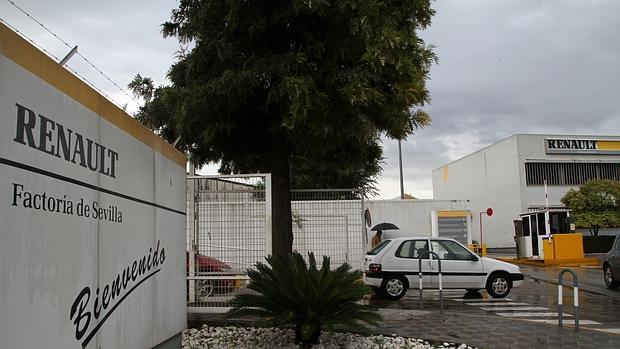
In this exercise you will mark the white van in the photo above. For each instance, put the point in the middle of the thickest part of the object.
(392, 267)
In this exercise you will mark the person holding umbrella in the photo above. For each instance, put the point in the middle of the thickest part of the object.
(379, 228)
(376, 239)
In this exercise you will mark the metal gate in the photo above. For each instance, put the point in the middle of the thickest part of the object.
(229, 230)
(453, 227)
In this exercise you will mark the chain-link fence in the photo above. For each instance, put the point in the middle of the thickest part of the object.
(229, 230)
(329, 223)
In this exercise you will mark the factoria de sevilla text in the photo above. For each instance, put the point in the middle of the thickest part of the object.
(42, 133)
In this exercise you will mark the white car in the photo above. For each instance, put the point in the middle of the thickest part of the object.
(392, 268)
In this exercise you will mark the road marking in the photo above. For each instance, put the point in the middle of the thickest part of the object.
(606, 330)
(498, 308)
(496, 304)
(565, 322)
(486, 301)
(526, 312)
(539, 314)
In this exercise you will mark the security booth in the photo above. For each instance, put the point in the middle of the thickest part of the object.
(547, 234)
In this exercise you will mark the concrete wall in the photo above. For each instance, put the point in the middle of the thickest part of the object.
(235, 232)
(413, 217)
(487, 178)
(92, 214)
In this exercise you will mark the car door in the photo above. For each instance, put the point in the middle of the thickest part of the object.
(406, 261)
(459, 267)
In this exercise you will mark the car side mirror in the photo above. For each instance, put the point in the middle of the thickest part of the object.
(474, 258)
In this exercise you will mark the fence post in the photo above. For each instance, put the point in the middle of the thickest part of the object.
(575, 298)
(428, 253)
(191, 253)
(268, 215)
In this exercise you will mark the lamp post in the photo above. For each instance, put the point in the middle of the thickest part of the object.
(400, 166)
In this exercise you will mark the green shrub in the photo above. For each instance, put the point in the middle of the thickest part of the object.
(291, 292)
(598, 244)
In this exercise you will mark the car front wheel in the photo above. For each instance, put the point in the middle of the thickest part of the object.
(499, 285)
(610, 280)
(394, 287)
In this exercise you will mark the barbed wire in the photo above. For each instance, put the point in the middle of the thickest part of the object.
(70, 47)
(23, 35)
(73, 71)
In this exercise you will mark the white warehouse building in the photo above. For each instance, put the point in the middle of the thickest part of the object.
(509, 176)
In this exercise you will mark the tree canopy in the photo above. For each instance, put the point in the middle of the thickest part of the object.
(595, 205)
(300, 89)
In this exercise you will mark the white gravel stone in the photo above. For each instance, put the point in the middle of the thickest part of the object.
(249, 337)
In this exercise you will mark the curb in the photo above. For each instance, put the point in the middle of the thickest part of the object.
(554, 263)
(581, 287)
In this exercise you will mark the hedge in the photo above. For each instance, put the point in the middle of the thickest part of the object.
(598, 244)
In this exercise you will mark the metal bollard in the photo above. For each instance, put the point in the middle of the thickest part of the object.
(420, 278)
(575, 298)
(420, 282)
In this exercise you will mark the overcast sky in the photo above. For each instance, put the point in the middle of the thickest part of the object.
(505, 67)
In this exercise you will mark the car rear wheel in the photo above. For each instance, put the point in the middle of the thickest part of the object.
(499, 285)
(204, 288)
(610, 280)
(394, 287)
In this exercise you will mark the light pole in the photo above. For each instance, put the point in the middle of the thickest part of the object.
(400, 166)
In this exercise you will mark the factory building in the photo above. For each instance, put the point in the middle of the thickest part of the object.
(509, 177)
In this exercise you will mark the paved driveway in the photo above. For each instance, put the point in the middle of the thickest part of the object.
(527, 317)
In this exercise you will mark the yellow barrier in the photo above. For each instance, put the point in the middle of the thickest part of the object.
(478, 249)
(567, 246)
(548, 250)
(560, 250)
(563, 246)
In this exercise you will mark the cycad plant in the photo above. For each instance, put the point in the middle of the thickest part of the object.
(291, 292)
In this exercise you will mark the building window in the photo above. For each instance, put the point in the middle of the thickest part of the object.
(569, 173)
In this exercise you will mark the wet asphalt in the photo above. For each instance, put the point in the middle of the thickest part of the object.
(526, 318)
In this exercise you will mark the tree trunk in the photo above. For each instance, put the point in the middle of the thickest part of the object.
(282, 223)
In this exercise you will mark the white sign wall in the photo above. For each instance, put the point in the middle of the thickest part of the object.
(92, 215)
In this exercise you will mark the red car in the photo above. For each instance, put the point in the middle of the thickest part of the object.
(209, 266)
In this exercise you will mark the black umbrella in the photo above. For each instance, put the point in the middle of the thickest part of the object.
(384, 226)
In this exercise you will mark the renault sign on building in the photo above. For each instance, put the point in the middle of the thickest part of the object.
(510, 177)
(92, 215)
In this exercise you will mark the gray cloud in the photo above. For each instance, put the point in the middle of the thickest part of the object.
(122, 38)
(505, 67)
(510, 67)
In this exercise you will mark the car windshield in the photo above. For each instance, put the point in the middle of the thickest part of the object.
(378, 248)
